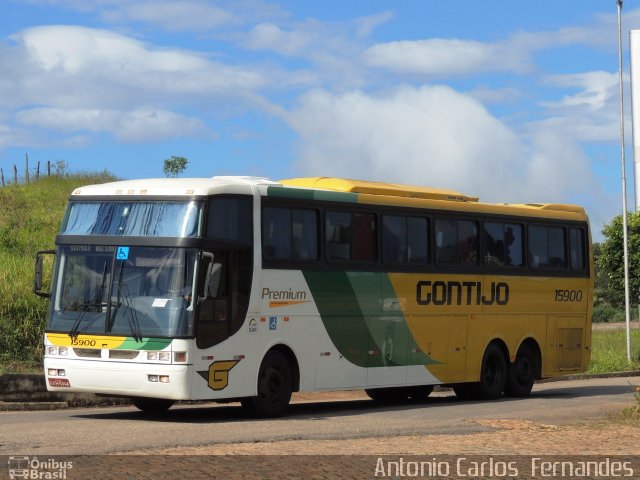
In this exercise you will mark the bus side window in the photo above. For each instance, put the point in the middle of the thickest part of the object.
(547, 247)
(577, 245)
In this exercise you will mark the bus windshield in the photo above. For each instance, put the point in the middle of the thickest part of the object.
(130, 291)
(138, 219)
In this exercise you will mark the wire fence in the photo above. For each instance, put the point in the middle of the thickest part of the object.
(28, 174)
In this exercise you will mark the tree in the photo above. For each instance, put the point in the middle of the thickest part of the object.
(174, 166)
(610, 261)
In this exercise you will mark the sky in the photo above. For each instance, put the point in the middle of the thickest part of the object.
(513, 102)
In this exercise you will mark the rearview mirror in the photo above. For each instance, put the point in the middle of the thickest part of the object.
(39, 271)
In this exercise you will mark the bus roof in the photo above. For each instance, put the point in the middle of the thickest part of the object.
(343, 189)
(418, 196)
(378, 188)
(173, 186)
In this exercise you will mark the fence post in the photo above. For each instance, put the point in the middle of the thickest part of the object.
(48, 168)
(38, 171)
(26, 173)
(15, 174)
(2, 175)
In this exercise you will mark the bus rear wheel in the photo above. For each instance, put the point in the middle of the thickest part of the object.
(521, 374)
(274, 387)
(493, 377)
(152, 406)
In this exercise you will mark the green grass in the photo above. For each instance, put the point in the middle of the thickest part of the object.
(609, 351)
(29, 221)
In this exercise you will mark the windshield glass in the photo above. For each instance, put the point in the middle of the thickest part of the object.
(127, 218)
(129, 291)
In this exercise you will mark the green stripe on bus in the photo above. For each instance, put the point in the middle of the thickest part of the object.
(340, 314)
(130, 343)
(350, 309)
(305, 194)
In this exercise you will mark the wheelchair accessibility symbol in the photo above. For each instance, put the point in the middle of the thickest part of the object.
(122, 253)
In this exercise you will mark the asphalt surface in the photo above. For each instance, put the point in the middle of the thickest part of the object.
(90, 431)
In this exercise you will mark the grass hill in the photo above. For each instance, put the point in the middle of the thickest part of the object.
(30, 217)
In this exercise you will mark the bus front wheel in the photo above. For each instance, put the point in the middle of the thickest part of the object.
(274, 387)
(152, 405)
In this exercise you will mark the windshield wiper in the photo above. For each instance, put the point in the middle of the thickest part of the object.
(97, 303)
(124, 297)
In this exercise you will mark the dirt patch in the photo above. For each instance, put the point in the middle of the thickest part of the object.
(511, 437)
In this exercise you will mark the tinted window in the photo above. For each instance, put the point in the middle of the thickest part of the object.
(404, 239)
(364, 237)
(230, 220)
(350, 236)
(289, 233)
(338, 235)
(503, 244)
(546, 247)
(456, 242)
(446, 241)
(578, 261)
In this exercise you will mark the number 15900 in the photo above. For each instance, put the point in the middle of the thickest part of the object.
(568, 295)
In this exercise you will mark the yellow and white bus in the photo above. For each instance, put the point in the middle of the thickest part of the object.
(240, 288)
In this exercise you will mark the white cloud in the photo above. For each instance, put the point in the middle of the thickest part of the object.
(140, 125)
(434, 136)
(185, 15)
(366, 25)
(453, 56)
(439, 56)
(111, 57)
(589, 115)
(268, 36)
(96, 80)
(598, 89)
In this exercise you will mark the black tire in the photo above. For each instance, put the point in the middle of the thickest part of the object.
(465, 391)
(399, 394)
(521, 373)
(420, 392)
(274, 387)
(383, 394)
(493, 375)
(152, 406)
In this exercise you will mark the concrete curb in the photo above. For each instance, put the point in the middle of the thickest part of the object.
(29, 392)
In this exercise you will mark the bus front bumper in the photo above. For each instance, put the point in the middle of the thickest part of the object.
(118, 378)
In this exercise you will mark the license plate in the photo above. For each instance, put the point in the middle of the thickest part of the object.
(59, 382)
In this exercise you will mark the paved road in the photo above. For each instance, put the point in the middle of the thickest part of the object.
(124, 429)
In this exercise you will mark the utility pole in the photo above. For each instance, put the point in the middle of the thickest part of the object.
(625, 237)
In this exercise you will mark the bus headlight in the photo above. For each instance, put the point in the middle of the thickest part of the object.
(159, 356)
(61, 351)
